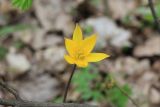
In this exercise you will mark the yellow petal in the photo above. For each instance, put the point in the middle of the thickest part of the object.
(81, 63)
(95, 57)
(89, 43)
(69, 59)
(77, 35)
(70, 46)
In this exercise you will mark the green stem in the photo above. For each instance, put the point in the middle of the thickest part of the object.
(156, 21)
(125, 93)
(68, 84)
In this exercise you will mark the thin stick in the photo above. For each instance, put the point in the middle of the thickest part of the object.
(132, 100)
(10, 89)
(156, 21)
(17, 103)
(68, 84)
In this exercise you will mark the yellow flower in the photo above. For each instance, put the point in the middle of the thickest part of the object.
(79, 49)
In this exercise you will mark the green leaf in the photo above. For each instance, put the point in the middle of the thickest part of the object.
(58, 99)
(146, 12)
(88, 30)
(12, 28)
(3, 52)
(22, 4)
(97, 95)
(82, 80)
(117, 98)
(18, 44)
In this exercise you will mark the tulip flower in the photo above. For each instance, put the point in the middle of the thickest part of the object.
(79, 53)
(79, 49)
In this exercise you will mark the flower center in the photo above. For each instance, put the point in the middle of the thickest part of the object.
(79, 56)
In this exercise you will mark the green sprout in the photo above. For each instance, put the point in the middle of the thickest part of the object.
(117, 98)
(105, 90)
(22, 4)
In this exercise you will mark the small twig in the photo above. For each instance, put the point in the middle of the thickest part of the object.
(10, 89)
(17, 103)
(68, 84)
(24, 103)
(132, 100)
(156, 21)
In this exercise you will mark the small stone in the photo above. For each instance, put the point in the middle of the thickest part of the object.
(150, 48)
(38, 37)
(104, 26)
(132, 66)
(145, 81)
(39, 88)
(154, 96)
(44, 11)
(1, 94)
(108, 30)
(62, 20)
(2, 68)
(122, 39)
(74, 96)
(27, 36)
(33, 37)
(121, 8)
(18, 62)
(156, 66)
(5, 6)
(52, 40)
(54, 58)
(51, 59)
(148, 77)
(53, 20)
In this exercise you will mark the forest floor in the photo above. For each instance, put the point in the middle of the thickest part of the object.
(32, 51)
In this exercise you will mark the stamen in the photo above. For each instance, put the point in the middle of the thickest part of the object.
(80, 55)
